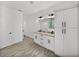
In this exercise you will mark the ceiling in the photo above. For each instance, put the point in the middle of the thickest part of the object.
(29, 7)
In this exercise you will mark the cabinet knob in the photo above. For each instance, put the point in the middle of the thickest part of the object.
(48, 41)
(64, 31)
(41, 38)
(64, 24)
(10, 32)
(35, 37)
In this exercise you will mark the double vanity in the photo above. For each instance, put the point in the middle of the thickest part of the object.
(46, 40)
(45, 37)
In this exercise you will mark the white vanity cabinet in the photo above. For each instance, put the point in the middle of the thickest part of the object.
(44, 41)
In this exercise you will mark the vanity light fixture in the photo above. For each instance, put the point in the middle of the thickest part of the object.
(40, 17)
(51, 14)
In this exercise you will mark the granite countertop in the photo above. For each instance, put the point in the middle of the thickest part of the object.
(45, 33)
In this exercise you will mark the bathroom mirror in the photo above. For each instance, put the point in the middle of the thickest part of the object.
(47, 24)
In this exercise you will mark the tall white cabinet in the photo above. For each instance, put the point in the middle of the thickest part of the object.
(67, 29)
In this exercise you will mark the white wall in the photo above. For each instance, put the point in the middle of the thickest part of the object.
(11, 21)
(2, 24)
(32, 21)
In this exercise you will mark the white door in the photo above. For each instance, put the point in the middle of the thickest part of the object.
(19, 24)
(59, 33)
(59, 42)
(70, 42)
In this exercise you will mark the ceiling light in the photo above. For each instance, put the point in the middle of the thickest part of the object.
(31, 2)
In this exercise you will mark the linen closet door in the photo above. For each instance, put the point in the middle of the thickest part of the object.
(59, 33)
(70, 33)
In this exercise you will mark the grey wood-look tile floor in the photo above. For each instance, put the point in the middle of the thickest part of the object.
(26, 48)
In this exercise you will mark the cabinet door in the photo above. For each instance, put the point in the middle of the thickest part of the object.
(42, 40)
(70, 18)
(58, 19)
(59, 42)
(48, 42)
(59, 33)
(51, 42)
(71, 42)
(36, 38)
(45, 41)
